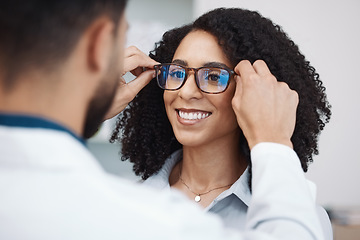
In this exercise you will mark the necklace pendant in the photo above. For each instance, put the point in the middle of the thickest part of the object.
(197, 198)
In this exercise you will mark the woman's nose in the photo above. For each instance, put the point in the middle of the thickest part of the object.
(190, 90)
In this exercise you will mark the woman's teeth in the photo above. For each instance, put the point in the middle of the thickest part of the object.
(193, 115)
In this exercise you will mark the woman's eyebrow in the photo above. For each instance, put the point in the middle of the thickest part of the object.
(208, 64)
(180, 62)
(216, 64)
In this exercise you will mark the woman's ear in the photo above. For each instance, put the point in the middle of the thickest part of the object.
(101, 39)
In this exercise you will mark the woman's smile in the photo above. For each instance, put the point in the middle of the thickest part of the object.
(191, 116)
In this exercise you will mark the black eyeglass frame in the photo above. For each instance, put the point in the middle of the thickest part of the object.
(195, 70)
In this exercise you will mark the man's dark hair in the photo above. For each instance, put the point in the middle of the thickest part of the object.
(144, 129)
(42, 33)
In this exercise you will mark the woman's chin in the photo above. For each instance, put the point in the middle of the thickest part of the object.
(191, 141)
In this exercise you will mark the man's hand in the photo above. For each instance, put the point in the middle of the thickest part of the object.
(265, 108)
(135, 61)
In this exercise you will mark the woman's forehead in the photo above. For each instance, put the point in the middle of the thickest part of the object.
(198, 48)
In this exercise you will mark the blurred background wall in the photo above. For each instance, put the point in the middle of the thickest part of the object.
(327, 33)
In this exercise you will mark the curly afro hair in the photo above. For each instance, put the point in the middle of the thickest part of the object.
(144, 130)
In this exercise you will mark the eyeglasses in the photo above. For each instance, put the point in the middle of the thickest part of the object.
(212, 80)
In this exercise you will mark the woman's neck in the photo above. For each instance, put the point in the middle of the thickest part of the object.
(210, 167)
(203, 168)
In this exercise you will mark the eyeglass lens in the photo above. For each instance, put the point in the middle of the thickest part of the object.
(211, 80)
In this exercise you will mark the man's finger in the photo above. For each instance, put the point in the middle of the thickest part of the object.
(132, 50)
(135, 61)
(140, 82)
(127, 91)
(261, 68)
(236, 101)
(244, 68)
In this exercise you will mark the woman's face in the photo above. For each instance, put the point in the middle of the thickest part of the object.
(218, 120)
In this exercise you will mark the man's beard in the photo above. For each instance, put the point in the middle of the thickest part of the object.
(101, 102)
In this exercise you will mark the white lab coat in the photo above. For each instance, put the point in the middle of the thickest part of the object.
(52, 188)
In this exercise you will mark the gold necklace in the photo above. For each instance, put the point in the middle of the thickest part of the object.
(198, 195)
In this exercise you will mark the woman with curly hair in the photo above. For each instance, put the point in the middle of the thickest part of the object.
(184, 134)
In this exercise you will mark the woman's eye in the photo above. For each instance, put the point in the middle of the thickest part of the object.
(177, 74)
(213, 77)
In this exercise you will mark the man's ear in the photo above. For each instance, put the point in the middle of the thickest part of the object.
(100, 44)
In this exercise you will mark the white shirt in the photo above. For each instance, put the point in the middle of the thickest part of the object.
(52, 188)
(232, 204)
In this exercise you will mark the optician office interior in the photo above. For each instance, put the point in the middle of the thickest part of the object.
(328, 34)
